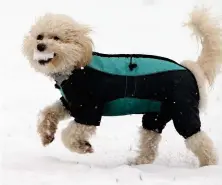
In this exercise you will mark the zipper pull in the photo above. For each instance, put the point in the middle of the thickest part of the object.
(132, 65)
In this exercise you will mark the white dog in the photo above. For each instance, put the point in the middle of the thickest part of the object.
(57, 46)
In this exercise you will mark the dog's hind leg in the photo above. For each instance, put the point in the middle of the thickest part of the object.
(202, 146)
(48, 120)
(150, 134)
(75, 137)
(186, 119)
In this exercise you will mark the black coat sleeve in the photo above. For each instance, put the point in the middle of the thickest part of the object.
(84, 112)
(89, 114)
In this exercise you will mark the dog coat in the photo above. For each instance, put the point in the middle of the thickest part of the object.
(121, 84)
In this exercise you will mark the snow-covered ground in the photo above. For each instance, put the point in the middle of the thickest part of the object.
(122, 26)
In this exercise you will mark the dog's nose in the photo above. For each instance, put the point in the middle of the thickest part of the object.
(41, 47)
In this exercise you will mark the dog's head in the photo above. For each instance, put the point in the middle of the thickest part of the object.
(56, 44)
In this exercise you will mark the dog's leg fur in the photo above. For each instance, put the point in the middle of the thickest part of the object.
(48, 120)
(202, 146)
(75, 137)
(148, 147)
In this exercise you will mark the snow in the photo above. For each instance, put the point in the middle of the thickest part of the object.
(123, 26)
(42, 55)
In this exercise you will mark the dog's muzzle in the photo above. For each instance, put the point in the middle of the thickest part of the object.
(43, 57)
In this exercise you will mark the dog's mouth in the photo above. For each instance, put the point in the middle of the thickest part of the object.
(43, 57)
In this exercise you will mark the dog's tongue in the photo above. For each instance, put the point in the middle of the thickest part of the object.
(42, 55)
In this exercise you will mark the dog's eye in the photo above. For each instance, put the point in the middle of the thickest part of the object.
(39, 37)
(56, 38)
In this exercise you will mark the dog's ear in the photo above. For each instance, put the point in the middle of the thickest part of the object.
(85, 29)
(79, 30)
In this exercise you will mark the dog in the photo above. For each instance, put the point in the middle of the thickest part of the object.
(60, 48)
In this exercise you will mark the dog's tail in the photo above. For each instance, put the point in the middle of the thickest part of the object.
(208, 31)
(205, 69)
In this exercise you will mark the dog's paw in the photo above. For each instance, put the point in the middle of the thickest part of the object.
(75, 138)
(47, 139)
(74, 143)
(143, 160)
(140, 160)
(85, 147)
(46, 128)
(79, 146)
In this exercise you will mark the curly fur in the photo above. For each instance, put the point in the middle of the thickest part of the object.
(74, 50)
(208, 31)
(202, 146)
(48, 120)
(75, 137)
(149, 142)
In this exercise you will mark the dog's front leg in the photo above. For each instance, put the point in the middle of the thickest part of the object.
(48, 120)
(75, 137)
